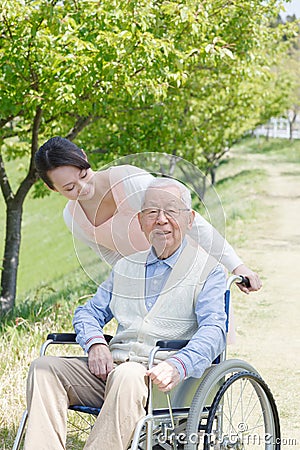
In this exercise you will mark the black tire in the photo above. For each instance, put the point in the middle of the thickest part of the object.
(244, 414)
(214, 378)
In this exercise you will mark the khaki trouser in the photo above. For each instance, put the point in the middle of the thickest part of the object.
(54, 383)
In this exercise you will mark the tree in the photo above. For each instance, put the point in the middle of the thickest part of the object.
(292, 70)
(123, 77)
(231, 86)
(64, 64)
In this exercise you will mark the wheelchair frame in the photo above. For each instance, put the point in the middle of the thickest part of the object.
(198, 411)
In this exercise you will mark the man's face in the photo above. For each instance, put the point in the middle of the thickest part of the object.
(165, 219)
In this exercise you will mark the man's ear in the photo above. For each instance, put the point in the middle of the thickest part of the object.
(191, 219)
(140, 221)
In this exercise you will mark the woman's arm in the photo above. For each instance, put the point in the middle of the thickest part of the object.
(217, 246)
(214, 243)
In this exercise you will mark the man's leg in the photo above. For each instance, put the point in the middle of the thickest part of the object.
(125, 401)
(53, 384)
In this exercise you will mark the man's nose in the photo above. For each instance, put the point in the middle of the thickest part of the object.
(161, 217)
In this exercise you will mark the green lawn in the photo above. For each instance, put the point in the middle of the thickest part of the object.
(47, 252)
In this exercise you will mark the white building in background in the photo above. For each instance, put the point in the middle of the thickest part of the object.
(279, 128)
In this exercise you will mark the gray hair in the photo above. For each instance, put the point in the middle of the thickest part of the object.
(185, 195)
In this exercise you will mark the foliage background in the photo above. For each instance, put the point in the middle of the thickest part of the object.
(183, 77)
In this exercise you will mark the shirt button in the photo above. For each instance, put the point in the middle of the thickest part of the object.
(155, 282)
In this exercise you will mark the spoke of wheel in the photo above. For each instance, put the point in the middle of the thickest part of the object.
(245, 410)
(250, 399)
(230, 406)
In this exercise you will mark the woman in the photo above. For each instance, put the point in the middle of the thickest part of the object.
(102, 207)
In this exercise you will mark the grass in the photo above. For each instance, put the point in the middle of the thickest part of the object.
(52, 283)
(45, 310)
(278, 149)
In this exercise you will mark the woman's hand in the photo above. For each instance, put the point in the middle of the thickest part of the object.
(255, 281)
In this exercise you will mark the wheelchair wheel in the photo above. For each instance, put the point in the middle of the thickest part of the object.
(215, 377)
(243, 415)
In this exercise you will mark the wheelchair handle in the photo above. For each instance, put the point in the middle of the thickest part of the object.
(239, 279)
(244, 281)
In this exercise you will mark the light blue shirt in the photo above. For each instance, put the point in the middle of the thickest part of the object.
(206, 344)
(157, 273)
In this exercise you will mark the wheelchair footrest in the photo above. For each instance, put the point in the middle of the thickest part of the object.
(175, 411)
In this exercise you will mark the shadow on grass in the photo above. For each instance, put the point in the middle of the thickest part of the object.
(47, 301)
(286, 149)
(56, 300)
(244, 175)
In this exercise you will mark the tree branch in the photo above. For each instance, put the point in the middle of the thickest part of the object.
(3, 122)
(7, 26)
(4, 182)
(31, 176)
(81, 123)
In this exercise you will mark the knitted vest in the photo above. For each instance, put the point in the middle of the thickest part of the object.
(171, 317)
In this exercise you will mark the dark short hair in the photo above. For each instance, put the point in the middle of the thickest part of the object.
(57, 152)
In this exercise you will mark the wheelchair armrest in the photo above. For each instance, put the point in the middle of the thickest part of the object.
(171, 345)
(62, 337)
(69, 337)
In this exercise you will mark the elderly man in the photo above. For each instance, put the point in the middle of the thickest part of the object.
(172, 292)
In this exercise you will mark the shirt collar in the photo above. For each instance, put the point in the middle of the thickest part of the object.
(171, 261)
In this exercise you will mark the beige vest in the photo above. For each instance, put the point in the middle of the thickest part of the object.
(171, 317)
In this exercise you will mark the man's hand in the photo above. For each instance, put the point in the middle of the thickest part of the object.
(100, 361)
(164, 375)
(254, 279)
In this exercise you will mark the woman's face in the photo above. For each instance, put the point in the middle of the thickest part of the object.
(72, 182)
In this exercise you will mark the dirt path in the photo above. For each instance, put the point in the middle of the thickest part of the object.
(268, 322)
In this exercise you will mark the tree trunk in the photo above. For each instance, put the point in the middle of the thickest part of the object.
(14, 211)
(11, 256)
(291, 131)
(212, 171)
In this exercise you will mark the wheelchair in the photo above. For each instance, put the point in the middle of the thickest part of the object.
(229, 407)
